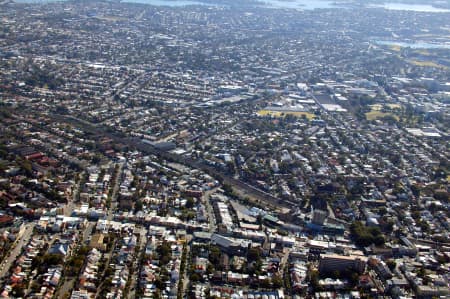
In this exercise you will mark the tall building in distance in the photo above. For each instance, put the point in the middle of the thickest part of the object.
(319, 216)
(332, 262)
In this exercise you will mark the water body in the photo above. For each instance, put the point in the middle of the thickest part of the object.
(412, 7)
(37, 1)
(173, 3)
(418, 45)
(152, 2)
(299, 4)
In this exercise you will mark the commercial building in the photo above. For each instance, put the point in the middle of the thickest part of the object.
(333, 262)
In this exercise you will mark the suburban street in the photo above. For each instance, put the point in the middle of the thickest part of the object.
(209, 209)
(23, 238)
(114, 193)
(136, 264)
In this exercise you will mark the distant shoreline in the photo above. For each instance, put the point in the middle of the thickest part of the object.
(436, 5)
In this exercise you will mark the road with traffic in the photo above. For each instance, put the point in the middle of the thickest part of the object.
(23, 238)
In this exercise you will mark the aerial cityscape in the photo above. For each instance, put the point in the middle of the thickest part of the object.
(256, 149)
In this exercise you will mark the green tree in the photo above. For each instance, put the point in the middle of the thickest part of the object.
(18, 290)
(139, 205)
(365, 236)
(442, 196)
(415, 189)
(277, 281)
(253, 254)
(314, 278)
(96, 159)
(165, 253)
(214, 255)
(190, 203)
(26, 166)
(195, 277)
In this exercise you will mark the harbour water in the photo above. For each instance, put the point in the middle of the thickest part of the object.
(416, 45)
(299, 4)
(167, 2)
(413, 7)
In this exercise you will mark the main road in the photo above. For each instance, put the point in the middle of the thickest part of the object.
(209, 209)
(114, 193)
(24, 237)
